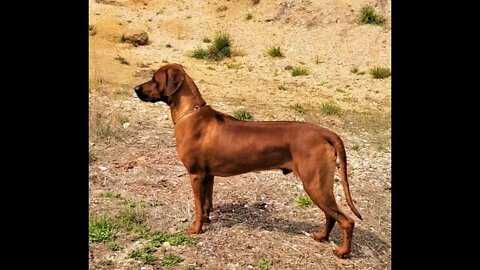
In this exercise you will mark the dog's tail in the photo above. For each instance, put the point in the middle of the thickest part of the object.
(337, 142)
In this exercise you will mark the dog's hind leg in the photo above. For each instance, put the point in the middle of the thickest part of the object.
(319, 186)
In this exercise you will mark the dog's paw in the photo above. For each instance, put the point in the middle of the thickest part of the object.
(341, 254)
(320, 236)
(193, 230)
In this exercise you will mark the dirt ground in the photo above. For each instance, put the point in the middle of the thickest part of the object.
(133, 163)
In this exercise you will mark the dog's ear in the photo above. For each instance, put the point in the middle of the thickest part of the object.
(175, 79)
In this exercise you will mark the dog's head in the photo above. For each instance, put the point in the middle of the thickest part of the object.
(165, 82)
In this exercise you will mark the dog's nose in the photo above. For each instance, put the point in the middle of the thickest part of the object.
(137, 88)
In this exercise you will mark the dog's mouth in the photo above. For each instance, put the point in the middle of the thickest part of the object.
(142, 96)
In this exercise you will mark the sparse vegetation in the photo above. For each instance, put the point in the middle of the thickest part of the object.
(114, 246)
(144, 254)
(354, 70)
(220, 48)
(200, 53)
(101, 229)
(206, 40)
(298, 108)
(303, 201)
(264, 264)
(369, 16)
(380, 72)
(249, 16)
(243, 114)
(122, 60)
(175, 239)
(300, 71)
(170, 260)
(275, 52)
(330, 108)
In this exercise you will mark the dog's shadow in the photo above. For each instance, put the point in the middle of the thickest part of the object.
(259, 216)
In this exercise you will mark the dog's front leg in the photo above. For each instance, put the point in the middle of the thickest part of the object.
(198, 186)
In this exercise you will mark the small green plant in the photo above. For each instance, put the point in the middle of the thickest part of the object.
(249, 16)
(144, 254)
(102, 229)
(300, 71)
(298, 108)
(303, 201)
(175, 239)
(369, 16)
(243, 114)
(122, 60)
(114, 246)
(170, 260)
(264, 264)
(330, 108)
(219, 49)
(191, 267)
(380, 72)
(354, 70)
(206, 40)
(275, 52)
(200, 53)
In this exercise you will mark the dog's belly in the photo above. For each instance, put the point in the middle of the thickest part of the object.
(253, 158)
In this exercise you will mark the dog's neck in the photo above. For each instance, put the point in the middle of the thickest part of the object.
(186, 98)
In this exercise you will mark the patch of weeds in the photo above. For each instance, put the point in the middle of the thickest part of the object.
(242, 114)
(369, 16)
(110, 194)
(300, 71)
(132, 219)
(122, 60)
(275, 52)
(206, 40)
(219, 49)
(101, 229)
(114, 246)
(330, 108)
(380, 72)
(303, 201)
(191, 267)
(264, 264)
(175, 239)
(144, 254)
(249, 16)
(170, 260)
(200, 53)
(298, 108)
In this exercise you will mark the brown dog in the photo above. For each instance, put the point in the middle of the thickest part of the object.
(210, 143)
